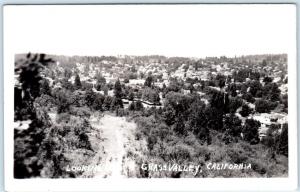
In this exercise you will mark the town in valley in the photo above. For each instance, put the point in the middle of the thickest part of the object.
(123, 112)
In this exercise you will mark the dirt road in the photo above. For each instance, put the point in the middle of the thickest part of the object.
(117, 139)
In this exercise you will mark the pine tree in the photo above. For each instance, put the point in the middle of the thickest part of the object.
(148, 81)
(30, 76)
(118, 89)
(118, 94)
(77, 82)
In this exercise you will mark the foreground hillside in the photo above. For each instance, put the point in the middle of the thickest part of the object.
(118, 149)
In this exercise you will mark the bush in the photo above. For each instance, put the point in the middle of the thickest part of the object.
(237, 155)
(258, 166)
(98, 102)
(248, 97)
(179, 152)
(250, 131)
(179, 127)
(62, 118)
(246, 110)
(283, 141)
(234, 104)
(63, 100)
(163, 131)
(83, 112)
(233, 124)
(151, 95)
(45, 101)
(135, 106)
(151, 141)
(271, 92)
(264, 106)
(121, 112)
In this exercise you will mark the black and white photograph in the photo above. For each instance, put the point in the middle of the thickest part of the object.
(151, 91)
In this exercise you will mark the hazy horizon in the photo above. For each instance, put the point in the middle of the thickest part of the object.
(119, 55)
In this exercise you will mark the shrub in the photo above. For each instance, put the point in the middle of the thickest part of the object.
(179, 152)
(259, 166)
(151, 141)
(264, 106)
(248, 97)
(80, 112)
(234, 104)
(232, 125)
(163, 131)
(237, 155)
(250, 131)
(63, 118)
(45, 101)
(246, 110)
(136, 106)
(179, 126)
(283, 141)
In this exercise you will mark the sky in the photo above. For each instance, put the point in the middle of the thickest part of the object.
(170, 30)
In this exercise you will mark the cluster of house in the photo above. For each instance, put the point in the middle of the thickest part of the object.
(266, 119)
(183, 72)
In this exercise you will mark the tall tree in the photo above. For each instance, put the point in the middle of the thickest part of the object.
(118, 94)
(90, 97)
(220, 80)
(118, 89)
(233, 125)
(29, 74)
(271, 92)
(232, 89)
(101, 81)
(250, 131)
(148, 81)
(28, 87)
(198, 121)
(77, 82)
(255, 87)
